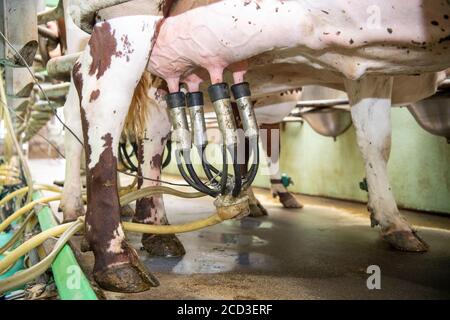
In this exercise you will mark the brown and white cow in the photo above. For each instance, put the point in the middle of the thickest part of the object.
(340, 43)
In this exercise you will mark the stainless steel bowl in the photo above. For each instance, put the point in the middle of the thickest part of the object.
(433, 114)
(329, 122)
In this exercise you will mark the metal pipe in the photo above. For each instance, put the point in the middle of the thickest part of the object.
(54, 91)
(242, 95)
(177, 112)
(220, 97)
(197, 116)
(325, 103)
(182, 137)
(195, 105)
(60, 67)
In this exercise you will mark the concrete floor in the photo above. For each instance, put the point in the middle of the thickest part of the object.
(319, 252)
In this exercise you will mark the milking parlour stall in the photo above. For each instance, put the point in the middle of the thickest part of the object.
(224, 155)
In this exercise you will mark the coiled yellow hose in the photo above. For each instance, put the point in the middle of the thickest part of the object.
(14, 255)
(24, 190)
(17, 234)
(37, 240)
(24, 276)
(25, 209)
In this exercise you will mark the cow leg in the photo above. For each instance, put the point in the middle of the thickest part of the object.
(370, 99)
(272, 150)
(256, 208)
(106, 76)
(72, 203)
(151, 210)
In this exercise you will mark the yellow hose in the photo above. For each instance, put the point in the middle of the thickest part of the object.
(37, 240)
(127, 198)
(29, 245)
(8, 181)
(25, 190)
(170, 229)
(7, 172)
(25, 209)
(24, 276)
(157, 190)
(17, 234)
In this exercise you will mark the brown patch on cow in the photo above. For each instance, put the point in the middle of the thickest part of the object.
(85, 129)
(156, 161)
(140, 159)
(103, 46)
(127, 49)
(78, 79)
(94, 95)
(103, 212)
(144, 208)
(78, 82)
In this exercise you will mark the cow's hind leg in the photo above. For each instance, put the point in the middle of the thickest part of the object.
(256, 208)
(151, 210)
(370, 99)
(72, 203)
(106, 76)
(272, 150)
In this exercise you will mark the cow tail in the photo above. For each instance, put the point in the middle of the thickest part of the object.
(137, 114)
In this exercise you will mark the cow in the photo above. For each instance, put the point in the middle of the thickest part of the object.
(287, 43)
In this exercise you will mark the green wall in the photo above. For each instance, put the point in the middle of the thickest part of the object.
(419, 166)
(51, 3)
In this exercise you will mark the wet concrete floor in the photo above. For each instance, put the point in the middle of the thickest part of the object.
(319, 252)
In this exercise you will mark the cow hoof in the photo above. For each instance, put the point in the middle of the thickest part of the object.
(406, 241)
(126, 278)
(129, 276)
(257, 210)
(163, 245)
(126, 211)
(289, 201)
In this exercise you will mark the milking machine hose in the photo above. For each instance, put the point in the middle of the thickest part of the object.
(25, 209)
(66, 230)
(17, 234)
(24, 276)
